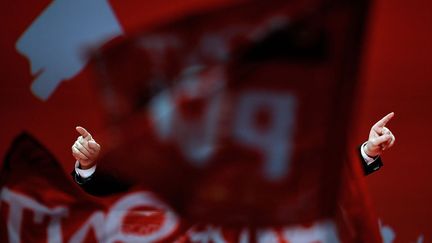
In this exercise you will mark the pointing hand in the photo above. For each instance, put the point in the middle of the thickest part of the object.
(85, 149)
(380, 137)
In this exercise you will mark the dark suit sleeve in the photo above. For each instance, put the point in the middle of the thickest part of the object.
(101, 183)
(372, 167)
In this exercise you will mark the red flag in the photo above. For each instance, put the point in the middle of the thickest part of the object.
(238, 115)
(40, 203)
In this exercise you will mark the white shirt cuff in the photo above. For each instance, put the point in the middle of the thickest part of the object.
(84, 173)
(367, 159)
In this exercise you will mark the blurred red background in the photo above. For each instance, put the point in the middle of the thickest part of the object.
(395, 76)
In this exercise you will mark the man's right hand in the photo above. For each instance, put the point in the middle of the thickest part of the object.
(380, 137)
(85, 149)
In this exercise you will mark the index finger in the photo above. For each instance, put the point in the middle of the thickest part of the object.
(381, 123)
(86, 135)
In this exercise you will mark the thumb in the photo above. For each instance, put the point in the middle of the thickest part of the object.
(381, 139)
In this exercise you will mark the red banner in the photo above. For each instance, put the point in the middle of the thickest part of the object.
(235, 109)
(40, 203)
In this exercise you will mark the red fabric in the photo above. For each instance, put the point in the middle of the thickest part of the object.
(231, 110)
(40, 202)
